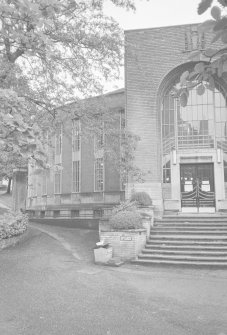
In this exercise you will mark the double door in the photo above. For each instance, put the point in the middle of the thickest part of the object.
(197, 187)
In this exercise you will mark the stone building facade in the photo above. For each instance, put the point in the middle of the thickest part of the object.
(182, 151)
(81, 182)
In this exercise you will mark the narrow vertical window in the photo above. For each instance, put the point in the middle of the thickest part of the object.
(99, 138)
(76, 177)
(167, 173)
(58, 139)
(34, 182)
(225, 171)
(123, 176)
(99, 175)
(76, 135)
(57, 182)
(44, 183)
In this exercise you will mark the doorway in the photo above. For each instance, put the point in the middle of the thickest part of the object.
(197, 187)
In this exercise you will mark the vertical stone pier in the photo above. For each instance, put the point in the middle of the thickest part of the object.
(19, 192)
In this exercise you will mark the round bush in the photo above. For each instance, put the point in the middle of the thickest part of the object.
(12, 224)
(126, 220)
(141, 198)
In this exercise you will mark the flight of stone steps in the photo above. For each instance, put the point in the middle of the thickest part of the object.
(187, 240)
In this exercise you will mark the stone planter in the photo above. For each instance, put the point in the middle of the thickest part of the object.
(147, 213)
(126, 244)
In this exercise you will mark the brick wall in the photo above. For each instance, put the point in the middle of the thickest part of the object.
(126, 244)
(151, 54)
(113, 101)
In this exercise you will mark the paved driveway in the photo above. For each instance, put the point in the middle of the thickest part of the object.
(45, 288)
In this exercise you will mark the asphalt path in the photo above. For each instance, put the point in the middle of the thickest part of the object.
(46, 289)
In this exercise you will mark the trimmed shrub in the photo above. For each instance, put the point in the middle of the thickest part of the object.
(12, 224)
(126, 220)
(141, 198)
(125, 206)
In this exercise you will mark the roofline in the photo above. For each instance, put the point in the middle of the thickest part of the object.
(118, 91)
(163, 27)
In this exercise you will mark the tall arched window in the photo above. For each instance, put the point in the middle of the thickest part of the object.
(201, 124)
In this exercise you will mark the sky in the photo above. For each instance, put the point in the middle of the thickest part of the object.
(157, 13)
(154, 13)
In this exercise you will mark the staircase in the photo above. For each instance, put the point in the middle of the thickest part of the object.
(195, 240)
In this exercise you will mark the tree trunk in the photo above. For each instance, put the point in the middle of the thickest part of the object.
(9, 185)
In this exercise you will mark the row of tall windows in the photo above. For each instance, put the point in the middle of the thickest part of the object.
(76, 159)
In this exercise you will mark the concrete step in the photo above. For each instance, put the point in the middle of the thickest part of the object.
(184, 257)
(188, 232)
(185, 252)
(190, 226)
(187, 237)
(191, 221)
(180, 263)
(191, 217)
(187, 242)
(194, 247)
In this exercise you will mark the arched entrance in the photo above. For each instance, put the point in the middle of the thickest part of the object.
(194, 150)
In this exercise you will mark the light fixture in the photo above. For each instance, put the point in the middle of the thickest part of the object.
(219, 155)
(174, 157)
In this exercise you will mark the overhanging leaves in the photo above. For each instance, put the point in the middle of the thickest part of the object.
(206, 26)
(216, 12)
(203, 6)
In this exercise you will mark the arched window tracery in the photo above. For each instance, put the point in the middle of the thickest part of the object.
(200, 124)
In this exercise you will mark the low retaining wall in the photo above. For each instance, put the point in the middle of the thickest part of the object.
(69, 223)
(127, 244)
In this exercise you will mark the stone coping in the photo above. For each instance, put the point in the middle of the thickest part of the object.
(140, 230)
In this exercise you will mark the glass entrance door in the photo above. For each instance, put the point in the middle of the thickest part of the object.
(197, 187)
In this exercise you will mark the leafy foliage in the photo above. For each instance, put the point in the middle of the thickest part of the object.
(141, 198)
(12, 224)
(126, 216)
(9, 160)
(127, 205)
(126, 220)
(51, 51)
(214, 60)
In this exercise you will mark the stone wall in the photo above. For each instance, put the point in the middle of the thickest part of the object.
(127, 244)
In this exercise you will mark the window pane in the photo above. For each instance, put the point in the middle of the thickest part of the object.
(76, 177)
(57, 182)
(99, 174)
(58, 139)
(76, 135)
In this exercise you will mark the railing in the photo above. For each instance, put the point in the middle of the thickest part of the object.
(189, 141)
(168, 144)
(195, 141)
